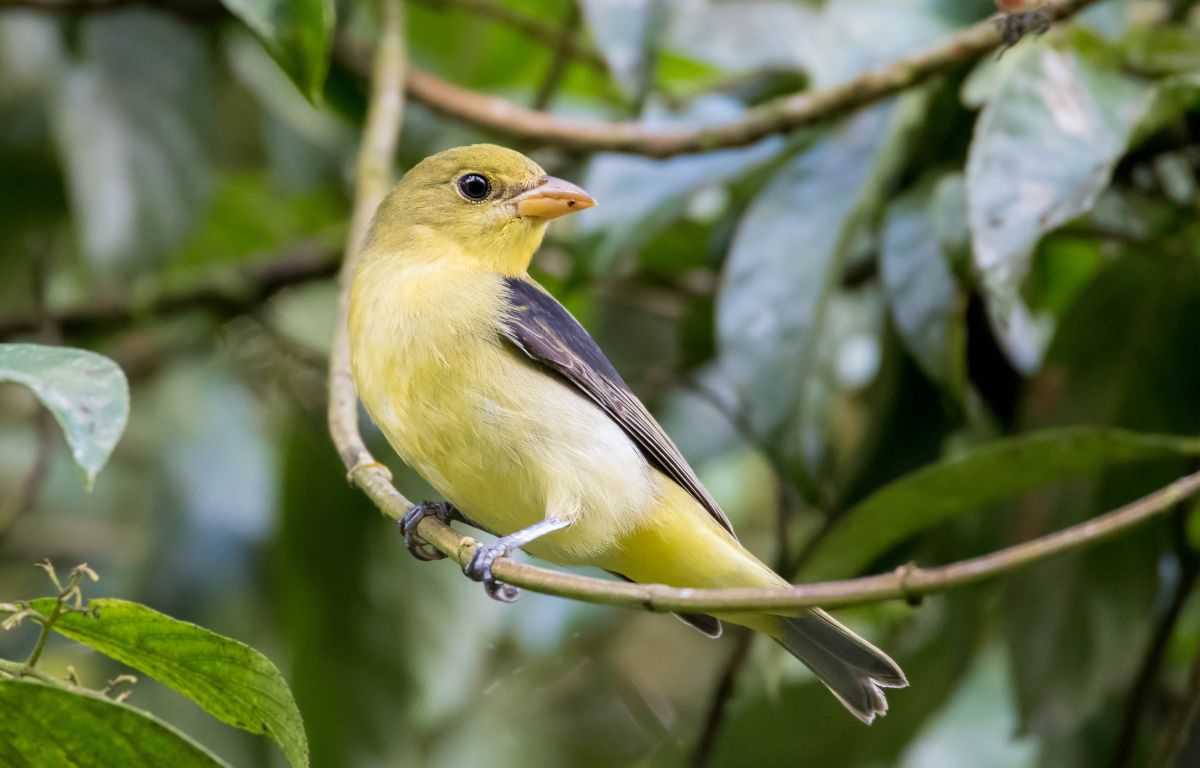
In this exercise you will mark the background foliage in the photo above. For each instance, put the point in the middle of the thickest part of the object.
(959, 318)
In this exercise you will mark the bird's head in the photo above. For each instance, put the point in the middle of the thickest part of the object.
(490, 202)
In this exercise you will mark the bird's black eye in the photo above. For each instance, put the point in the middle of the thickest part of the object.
(474, 186)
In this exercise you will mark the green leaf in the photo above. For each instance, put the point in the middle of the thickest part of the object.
(53, 728)
(961, 484)
(1054, 126)
(297, 33)
(627, 33)
(86, 392)
(926, 302)
(132, 125)
(230, 680)
(788, 253)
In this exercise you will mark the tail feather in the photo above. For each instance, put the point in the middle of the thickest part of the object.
(851, 668)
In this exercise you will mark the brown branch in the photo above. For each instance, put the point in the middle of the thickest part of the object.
(224, 294)
(777, 116)
(1141, 692)
(780, 115)
(381, 133)
(719, 704)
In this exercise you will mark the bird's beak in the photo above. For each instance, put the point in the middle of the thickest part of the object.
(552, 197)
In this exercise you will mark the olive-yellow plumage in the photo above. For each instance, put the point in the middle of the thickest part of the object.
(490, 390)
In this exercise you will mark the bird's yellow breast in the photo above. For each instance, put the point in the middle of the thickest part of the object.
(501, 438)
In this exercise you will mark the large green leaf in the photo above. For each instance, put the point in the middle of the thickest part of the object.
(1052, 130)
(230, 680)
(783, 262)
(926, 302)
(297, 33)
(49, 727)
(993, 472)
(86, 392)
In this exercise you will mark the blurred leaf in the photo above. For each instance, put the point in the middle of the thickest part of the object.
(627, 33)
(853, 36)
(745, 36)
(297, 33)
(53, 728)
(230, 680)
(976, 726)
(926, 302)
(1045, 146)
(786, 256)
(86, 392)
(640, 196)
(131, 124)
(1163, 50)
(962, 484)
(1076, 625)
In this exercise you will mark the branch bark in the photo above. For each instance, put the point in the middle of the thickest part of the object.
(777, 116)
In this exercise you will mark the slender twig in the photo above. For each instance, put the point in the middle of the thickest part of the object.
(385, 115)
(1176, 733)
(228, 293)
(561, 61)
(719, 703)
(776, 116)
(1137, 704)
(780, 115)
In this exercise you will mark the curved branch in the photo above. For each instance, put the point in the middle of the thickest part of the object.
(381, 134)
(225, 293)
(908, 583)
(777, 116)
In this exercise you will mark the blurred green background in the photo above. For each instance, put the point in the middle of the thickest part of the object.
(1006, 250)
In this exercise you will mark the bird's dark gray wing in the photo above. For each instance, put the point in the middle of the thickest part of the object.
(546, 332)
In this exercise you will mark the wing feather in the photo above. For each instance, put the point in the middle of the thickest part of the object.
(547, 333)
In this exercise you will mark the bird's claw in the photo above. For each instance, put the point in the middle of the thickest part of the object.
(479, 568)
(421, 549)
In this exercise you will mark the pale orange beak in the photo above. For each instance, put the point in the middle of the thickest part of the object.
(552, 197)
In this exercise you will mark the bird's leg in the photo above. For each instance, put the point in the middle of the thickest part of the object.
(479, 567)
(442, 510)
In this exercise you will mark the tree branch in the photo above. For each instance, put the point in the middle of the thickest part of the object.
(780, 115)
(226, 294)
(381, 133)
(777, 116)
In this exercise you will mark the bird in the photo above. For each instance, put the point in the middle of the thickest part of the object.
(496, 395)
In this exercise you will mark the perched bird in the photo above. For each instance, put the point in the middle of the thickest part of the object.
(496, 395)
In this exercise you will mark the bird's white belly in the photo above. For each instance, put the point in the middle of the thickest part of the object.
(510, 444)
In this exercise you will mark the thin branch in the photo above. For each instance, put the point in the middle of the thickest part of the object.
(777, 116)
(780, 115)
(1137, 704)
(561, 61)
(381, 133)
(566, 40)
(726, 685)
(225, 294)
(1175, 736)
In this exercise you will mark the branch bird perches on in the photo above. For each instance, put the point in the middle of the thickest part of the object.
(910, 582)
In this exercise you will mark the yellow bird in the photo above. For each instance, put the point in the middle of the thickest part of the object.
(496, 395)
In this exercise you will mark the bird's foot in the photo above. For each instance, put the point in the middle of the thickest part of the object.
(362, 464)
(421, 549)
(479, 568)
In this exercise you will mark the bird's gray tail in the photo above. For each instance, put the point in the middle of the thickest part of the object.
(853, 669)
